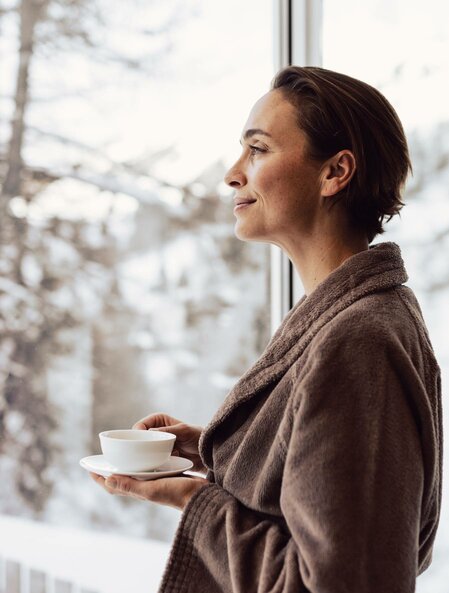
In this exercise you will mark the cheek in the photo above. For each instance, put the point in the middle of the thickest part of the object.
(288, 186)
(270, 180)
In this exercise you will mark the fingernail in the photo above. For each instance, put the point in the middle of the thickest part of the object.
(111, 482)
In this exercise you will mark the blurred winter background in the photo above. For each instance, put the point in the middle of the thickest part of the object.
(123, 290)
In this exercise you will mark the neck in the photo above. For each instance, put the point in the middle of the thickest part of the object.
(317, 257)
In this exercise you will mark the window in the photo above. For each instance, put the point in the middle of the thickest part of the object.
(121, 280)
(123, 290)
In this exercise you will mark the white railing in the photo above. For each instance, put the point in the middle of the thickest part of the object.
(75, 561)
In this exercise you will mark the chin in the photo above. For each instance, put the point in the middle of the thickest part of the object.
(247, 234)
(241, 233)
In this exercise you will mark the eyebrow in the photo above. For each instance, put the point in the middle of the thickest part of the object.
(253, 131)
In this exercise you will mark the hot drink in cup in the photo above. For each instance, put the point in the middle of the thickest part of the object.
(136, 450)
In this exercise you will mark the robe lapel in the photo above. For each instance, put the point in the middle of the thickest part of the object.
(379, 268)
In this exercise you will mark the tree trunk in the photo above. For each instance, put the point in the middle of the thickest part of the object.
(30, 13)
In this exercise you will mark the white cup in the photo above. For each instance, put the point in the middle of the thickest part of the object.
(136, 450)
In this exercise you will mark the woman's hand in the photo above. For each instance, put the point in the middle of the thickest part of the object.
(174, 492)
(187, 437)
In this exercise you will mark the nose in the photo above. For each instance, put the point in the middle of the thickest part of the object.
(235, 176)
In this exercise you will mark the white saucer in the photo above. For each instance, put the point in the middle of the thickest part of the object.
(98, 465)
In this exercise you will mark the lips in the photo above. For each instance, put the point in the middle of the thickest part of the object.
(245, 202)
(239, 201)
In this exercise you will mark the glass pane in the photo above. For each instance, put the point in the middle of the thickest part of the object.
(123, 290)
(402, 48)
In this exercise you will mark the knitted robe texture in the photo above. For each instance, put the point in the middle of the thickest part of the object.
(325, 459)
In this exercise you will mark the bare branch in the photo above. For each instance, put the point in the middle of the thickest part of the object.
(135, 167)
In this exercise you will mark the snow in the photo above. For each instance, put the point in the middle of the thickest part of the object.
(104, 563)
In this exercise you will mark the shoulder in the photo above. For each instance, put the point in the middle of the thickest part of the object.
(381, 319)
(384, 328)
(369, 347)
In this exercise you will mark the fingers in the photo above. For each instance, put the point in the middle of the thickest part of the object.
(139, 426)
(157, 420)
(177, 429)
(174, 491)
(120, 485)
(150, 490)
(124, 486)
(99, 479)
(181, 429)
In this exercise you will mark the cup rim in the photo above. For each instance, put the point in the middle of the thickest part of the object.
(165, 436)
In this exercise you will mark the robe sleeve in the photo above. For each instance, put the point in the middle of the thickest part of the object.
(351, 491)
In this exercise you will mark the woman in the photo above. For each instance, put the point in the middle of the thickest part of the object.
(324, 462)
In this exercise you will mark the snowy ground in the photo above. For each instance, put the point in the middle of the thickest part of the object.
(88, 560)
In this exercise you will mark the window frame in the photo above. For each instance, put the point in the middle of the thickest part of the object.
(297, 39)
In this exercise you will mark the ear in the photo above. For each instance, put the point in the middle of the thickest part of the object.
(337, 172)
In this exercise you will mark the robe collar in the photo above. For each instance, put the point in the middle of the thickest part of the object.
(378, 268)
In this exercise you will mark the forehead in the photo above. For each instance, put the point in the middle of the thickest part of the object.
(273, 114)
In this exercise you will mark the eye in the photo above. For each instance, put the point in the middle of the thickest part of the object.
(256, 149)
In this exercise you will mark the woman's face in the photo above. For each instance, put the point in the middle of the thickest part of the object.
(280, 185)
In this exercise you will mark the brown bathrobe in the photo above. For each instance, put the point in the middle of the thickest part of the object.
(325, 459)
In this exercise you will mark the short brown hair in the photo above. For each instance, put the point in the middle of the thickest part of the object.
(337, 112)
